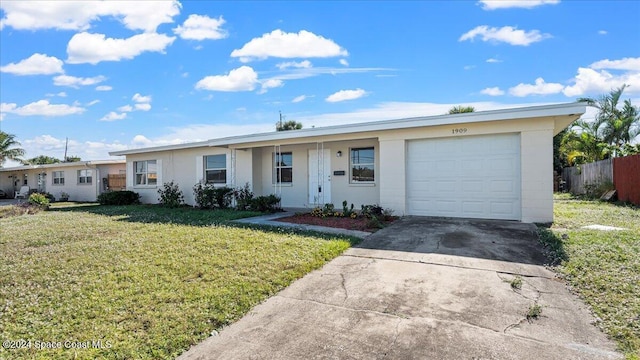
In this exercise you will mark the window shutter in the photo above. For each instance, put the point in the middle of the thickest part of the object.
(199, 168)
(159, 172)
(131, 174)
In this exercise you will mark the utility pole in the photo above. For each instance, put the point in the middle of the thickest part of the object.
(65, 150)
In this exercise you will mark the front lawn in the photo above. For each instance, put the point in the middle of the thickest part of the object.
(146, 282)
(603, 267)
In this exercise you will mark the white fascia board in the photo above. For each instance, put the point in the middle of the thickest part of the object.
(63, 165)
(160, 148)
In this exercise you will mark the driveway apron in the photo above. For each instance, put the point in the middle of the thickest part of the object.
(423, 288)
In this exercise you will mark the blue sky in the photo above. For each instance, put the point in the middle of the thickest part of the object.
(112, 75)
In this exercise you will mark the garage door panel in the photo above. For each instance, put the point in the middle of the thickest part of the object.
(472, 176)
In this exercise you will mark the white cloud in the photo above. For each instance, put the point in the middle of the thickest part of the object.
(505, 4)
(493, 60)
(75, 82)
(141, 140)
(492, 91)
(93, 102)
(201, 27)
(344, 95)
(36, 64)
(243, 78)
(143, 106)
(344, 62)
(41, 108)
(298, 99)
(113, 116)
(94, 48)
(469, 67)
(539, 88)
(86, 150)
(125, 108)
(590, 81)
(78, 15)
(506, 34)
(292, 64)
(270, 84)
(141, 99)
(622, 64)
(62, 94)
(104, 88)
(602, 32)
(279, 44)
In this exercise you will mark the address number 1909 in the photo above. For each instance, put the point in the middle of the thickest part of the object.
(459, 130)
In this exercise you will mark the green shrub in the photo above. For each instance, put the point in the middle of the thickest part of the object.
(269, 203)
(244, 197)
(119, 198)
(39, 199)
(170, 195)
(346, 211)
(208, 196)
(371, 211)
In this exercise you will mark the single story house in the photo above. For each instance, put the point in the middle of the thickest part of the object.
(81, 180)
(490, 164)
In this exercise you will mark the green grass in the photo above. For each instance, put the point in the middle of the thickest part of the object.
(148, 280)
(603, 267)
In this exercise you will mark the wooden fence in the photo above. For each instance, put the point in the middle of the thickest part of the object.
(626, 178)
(578, 179)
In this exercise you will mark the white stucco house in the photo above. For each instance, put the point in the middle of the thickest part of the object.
(82, 180)
(489, 164)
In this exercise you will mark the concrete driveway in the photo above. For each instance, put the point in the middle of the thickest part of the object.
(424, 288)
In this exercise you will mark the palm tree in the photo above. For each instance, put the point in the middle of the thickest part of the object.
(461, 109)
(616, 126)
(9, 149)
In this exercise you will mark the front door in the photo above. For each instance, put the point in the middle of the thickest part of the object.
(319, 177)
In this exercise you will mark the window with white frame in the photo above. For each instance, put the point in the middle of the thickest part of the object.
(283, 168)
(215, 169)
(85, 176)
(362, 165)
(58, 178)
(146, 172)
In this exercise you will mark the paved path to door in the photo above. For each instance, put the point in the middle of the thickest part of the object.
(423, 288)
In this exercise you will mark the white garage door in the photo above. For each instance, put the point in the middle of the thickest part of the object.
(470, 176)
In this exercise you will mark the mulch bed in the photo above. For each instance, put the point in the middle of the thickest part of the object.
(359, 223)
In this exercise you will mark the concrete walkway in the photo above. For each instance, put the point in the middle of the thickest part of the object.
(421, 289)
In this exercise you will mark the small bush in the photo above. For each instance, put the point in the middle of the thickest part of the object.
(244, 197)
(371, 211)
(534, 312)
(170, 195)
(39, 199)
(208, 196)
(269, 203)
(119, 198)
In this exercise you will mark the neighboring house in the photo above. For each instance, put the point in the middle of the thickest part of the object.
(82, 180)
(490, 164)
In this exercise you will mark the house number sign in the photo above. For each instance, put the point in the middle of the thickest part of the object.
(459, 131)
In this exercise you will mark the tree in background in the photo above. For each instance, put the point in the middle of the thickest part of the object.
(461, 109)
(9, 148)
(288, 125)
(73, 159)
(610, 134)
(41, 160)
